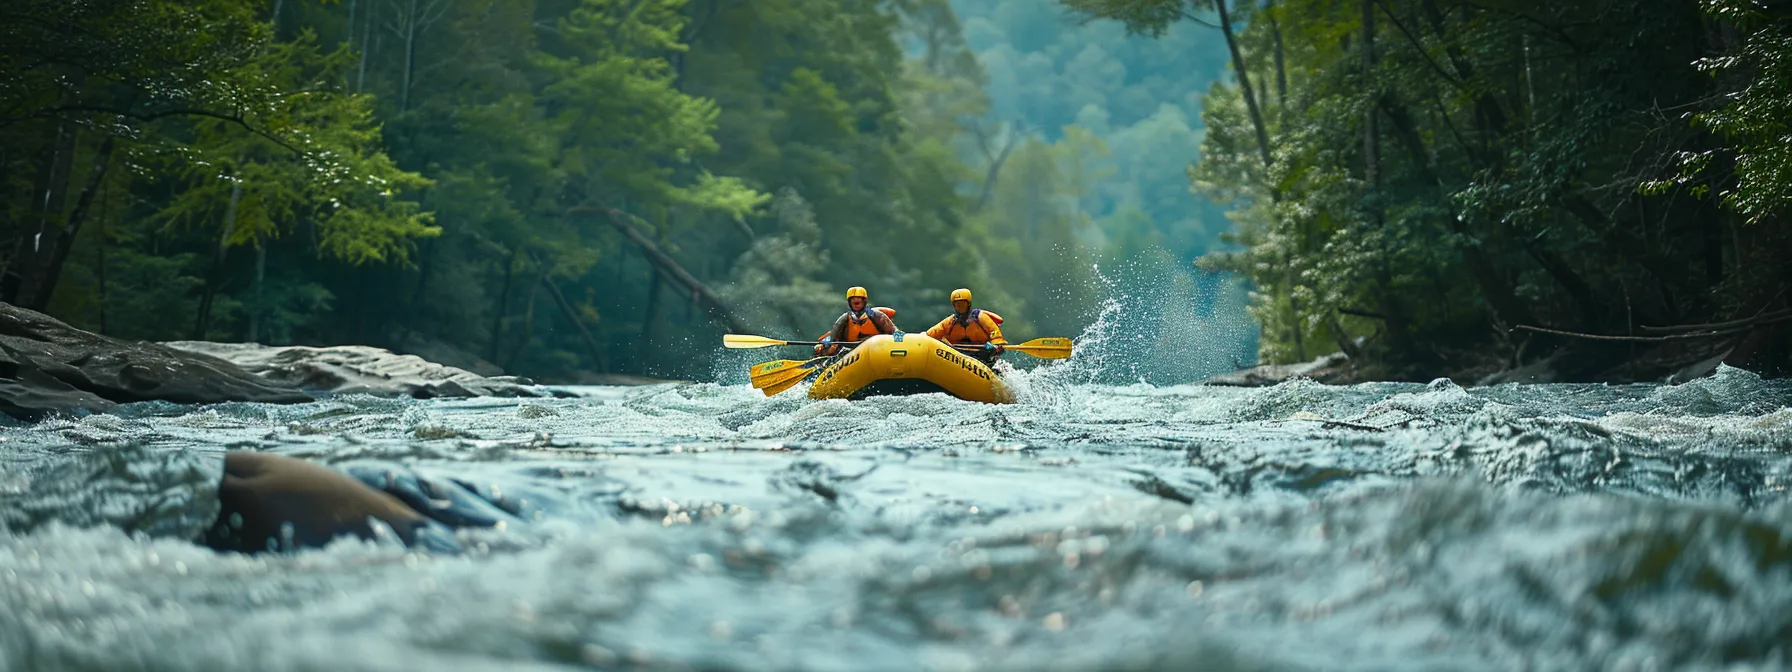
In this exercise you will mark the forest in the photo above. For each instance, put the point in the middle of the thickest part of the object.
(568, 188)
(1459, 187)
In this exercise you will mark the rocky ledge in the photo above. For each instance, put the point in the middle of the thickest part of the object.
(47, 366)
(359, 369)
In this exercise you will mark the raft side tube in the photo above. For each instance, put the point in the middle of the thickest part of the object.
(908, 357)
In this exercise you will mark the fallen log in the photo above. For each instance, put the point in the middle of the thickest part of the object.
(597, 353)
(695, 290)
(1680, 333)
(1732, 324)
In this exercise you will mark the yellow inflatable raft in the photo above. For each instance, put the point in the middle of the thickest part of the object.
(908, 364)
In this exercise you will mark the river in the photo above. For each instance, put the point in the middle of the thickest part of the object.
(1091, 526)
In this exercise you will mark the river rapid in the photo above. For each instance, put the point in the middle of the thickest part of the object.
(1090, 526)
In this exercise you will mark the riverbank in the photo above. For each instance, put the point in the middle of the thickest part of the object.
(1668, 362)
(47, 366)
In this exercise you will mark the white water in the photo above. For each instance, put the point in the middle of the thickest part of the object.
(1094, 525)
(703, 526)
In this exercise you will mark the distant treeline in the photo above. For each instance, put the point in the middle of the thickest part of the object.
(553, 186)
(562, 186)
(1444, 175)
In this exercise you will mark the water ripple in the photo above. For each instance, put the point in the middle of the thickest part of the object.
(703, 526)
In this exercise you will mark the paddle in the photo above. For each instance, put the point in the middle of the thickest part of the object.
(773, 390)
(1050, 347)
(745, 342)
(771, 373)
(775, 377)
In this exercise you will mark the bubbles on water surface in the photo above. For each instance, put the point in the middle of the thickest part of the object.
(1093, 525)
(1728, 391)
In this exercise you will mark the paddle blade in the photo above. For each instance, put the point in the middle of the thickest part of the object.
(792, 377)
(772, 374)
(779, 388)
(746, 342)
(779, 366)
(1051, 347)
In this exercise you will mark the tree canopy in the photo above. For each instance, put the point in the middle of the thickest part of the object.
(561, 188)
(1474, 186)
(553, 187)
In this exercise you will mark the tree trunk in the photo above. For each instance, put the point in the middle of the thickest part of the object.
(1244, 83)
(690, 306)
(1500, 294)
(1530, 84)
(215, 276)
(348, 39)
(410, 58)
(1300, 337)
(411, 27)
(597, 355)
(416, 303)
(1394, 314)
(717, 309)
(995, 167)
(645, 346)
(429, 255)
(258, 308)
(359, 324)
(64, 240)
(261, 249)
(39, 247)
(528, 331)
(1670, 272)
(1491, 116)
(100, 264)
(1345, 345)
(503, 305)
(366, 34)
(1714, 245)
(1563, 273)
(1275, 32)
(1371, 128)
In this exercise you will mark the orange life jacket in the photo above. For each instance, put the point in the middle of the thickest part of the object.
(859, 328)
(970, 329)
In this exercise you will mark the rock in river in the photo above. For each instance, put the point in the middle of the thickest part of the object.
(48, 366)
(346, 369)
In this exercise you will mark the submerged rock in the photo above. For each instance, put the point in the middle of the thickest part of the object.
(360, 369)
(1325, 369)
(48, 366)
(277, 503)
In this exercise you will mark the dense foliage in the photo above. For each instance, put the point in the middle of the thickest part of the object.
(1117, 119)
(552, 186)
(1442, 175)
(568, 186)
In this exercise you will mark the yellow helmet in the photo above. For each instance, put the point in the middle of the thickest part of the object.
(858, 292)
(961, 294)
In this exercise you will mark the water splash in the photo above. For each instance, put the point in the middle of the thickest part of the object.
(1729, 390)
(1093, 527)
(1152, 320)
(1154, 326)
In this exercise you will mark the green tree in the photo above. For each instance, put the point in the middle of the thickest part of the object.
(1461, 182)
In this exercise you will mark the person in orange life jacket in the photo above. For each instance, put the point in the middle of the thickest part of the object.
(858, 323)
(970, 326)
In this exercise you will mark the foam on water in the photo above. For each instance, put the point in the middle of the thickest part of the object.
(1093, 525)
